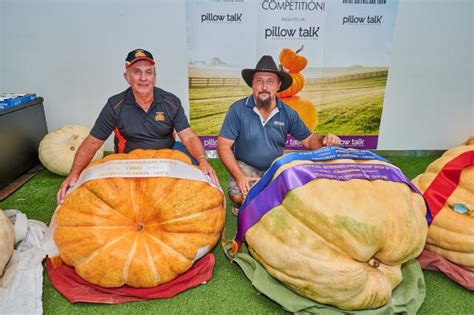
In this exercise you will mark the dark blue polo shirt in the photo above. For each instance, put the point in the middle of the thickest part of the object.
(136, 129)
(259, 145)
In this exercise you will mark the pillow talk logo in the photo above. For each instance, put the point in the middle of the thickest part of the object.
(362, 20)
(221, 18)
(278, 32)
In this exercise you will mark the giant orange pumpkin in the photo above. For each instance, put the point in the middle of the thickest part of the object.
(291, 61)
(295, 87)
(305, 109)
(139, 232)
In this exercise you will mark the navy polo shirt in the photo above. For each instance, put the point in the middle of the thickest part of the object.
(137, 129)
(257, 144)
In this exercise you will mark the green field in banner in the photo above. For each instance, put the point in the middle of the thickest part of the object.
(350, 107)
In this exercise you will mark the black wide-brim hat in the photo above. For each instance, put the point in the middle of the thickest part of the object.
(267, 64)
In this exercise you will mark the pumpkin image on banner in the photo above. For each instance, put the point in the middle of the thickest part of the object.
(295, 87)
(138, 231)
(334, 226)
(448, 187)
(58, 148)
(291, 61)
(305, 108)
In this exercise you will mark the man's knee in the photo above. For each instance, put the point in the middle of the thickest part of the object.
(237, 199)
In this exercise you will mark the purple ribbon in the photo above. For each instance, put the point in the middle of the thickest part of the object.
(296, 176)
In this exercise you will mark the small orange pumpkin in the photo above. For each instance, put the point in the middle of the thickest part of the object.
(295, 87)
(305, 108)
(291, 61)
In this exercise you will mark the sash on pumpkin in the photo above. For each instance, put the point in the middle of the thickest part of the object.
(265, 196)
(446, 181)
(131, 168)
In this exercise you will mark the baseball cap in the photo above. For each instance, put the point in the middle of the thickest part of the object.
(138, 54)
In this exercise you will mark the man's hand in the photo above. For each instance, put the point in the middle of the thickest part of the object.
(207, 169)
(331, 140)
(244, 183)
(67, 183)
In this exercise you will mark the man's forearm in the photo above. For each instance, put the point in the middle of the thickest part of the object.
(84, 154)
(228, 159)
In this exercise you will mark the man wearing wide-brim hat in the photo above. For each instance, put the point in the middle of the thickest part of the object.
(255, 129)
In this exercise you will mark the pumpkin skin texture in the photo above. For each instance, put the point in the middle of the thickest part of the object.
(305, 109)
(58, 148)
(451, 234)
(295, 87)
(7, 241)
(291, 61)
(341, 243)
(139, 232)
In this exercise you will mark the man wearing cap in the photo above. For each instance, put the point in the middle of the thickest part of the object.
(255, 129)
(143, 116)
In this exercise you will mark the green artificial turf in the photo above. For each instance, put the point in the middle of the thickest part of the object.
(229, 291)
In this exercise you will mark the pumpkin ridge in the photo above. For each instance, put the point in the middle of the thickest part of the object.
(128, 263)
(111, 208)
(97, 252)
(158, 200)
(157, 240)
(183, 218)
(315, 232)
(151, 264)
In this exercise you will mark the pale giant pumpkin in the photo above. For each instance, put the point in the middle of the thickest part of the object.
(139, 232)
(341, 243)
(7, 241)
(58, 148)
(451, 233)
(305, 109)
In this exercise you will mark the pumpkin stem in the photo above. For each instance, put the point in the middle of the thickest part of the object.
(140, 226)
(374, 262)
(302, 46)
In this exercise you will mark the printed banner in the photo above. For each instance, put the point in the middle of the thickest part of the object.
(346, 44)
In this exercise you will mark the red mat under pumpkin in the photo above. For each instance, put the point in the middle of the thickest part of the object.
(462, 276)
(75, 289)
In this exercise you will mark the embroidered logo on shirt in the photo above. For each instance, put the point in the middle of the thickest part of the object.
(278, 123)
(160, 116)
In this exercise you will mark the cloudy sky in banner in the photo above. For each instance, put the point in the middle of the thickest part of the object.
(360, 34)
(224, 30)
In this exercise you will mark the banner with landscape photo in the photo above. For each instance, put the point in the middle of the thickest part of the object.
(346, 45)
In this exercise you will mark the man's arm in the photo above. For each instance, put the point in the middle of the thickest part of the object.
(194, 146)
(224, 150)
(84, 155)
(315, 142)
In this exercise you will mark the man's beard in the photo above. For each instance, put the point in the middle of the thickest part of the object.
(265, 103)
